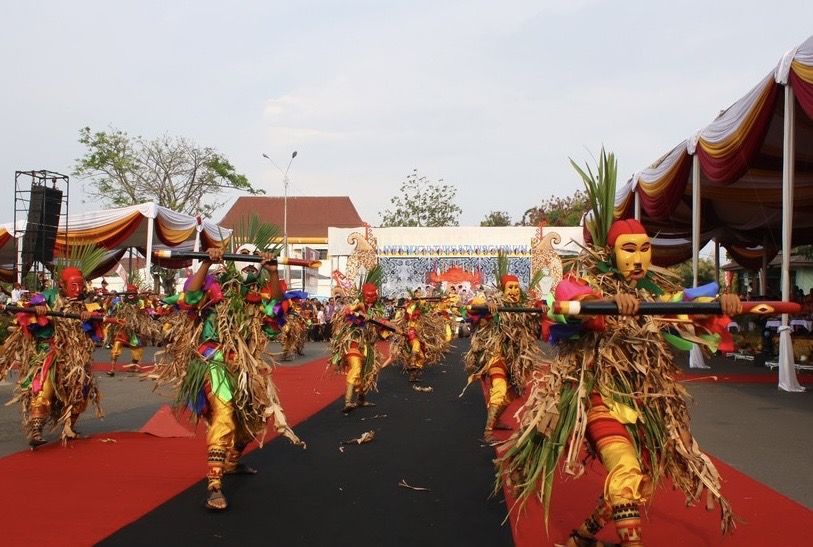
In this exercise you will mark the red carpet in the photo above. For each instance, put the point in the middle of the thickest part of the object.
(82, 493)
(166, 423)
(766, 517)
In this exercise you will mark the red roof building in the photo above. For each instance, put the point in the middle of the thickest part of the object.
(308, 216)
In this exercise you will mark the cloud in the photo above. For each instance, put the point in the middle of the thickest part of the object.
(304, 135)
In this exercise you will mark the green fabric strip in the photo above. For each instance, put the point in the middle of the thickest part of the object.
(677, 342)
(219, 378)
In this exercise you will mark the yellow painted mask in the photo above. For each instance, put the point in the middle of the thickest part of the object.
(511, 291)
(633, 255)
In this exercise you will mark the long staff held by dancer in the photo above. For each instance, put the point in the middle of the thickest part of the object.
(612, 307)
(42, 310)
(231, 257)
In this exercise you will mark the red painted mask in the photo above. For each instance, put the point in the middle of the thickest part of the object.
(73, 284)
(369, 293)
(510, 288)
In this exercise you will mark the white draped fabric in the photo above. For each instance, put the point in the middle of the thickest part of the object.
(696, 359)
(731, 120)
(145, 226)
(168, 219)
(734, 171)
(724, 126)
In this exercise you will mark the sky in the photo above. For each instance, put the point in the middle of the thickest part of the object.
(491, 97)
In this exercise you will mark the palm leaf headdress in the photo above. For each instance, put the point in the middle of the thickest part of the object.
(252, 231)
(600, 189)
(375, 276)
(264, 235)
(500, 267)
(87, 257)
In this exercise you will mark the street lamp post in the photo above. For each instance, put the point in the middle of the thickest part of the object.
(285, 181)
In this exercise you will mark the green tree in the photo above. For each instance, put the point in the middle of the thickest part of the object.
(420, 202)
(705, 271)
(496, 218)
(172, 171)
(557, 211)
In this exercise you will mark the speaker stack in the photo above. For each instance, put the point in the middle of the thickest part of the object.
(41, 227)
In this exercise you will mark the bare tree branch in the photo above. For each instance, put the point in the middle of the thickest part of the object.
(172, 171)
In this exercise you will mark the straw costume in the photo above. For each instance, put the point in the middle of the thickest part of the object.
(54, 354)
(295, 331)
(505, 347)
(447, 310)
(133, 325)
(612, 384)
(216, 355)
(352, 346)
(423, 342)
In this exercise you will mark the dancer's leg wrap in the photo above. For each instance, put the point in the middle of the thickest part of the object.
(40, 406)
(627, 519)
(416, 351)
(353, 381)
(497, 396)
(116, 350)
(626, 486)
(137, 354)
(497, 383)
(219, 438)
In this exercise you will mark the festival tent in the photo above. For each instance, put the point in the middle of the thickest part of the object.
(7, 256)
(147, 227)
(744, 181)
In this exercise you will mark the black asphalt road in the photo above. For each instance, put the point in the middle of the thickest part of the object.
(324, 496)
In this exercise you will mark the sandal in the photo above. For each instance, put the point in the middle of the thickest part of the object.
(216, 501)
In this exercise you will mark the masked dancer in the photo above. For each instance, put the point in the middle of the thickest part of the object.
(54, 354)
(216, 353)
(612, 384)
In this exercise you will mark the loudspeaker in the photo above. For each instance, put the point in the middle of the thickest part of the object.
(43, 220)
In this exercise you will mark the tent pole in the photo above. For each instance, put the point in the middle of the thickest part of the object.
(695, 216)
(637, 205)
(696, 359)
(196, 248)
(787, 367)
(763, 273)
(148, 265)
(716, 260)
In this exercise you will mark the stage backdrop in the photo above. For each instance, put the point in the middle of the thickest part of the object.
(409, 255)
